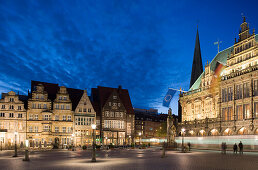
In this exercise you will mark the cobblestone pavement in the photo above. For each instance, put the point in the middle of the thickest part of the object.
(129, 159)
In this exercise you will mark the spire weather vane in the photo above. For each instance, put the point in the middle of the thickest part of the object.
(217, 43)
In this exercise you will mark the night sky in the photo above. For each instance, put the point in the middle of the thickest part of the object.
(145, 46)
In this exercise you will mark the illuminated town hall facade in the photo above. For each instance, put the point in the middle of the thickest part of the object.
(223, 100)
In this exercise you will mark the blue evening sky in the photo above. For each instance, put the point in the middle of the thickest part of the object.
(144, 45)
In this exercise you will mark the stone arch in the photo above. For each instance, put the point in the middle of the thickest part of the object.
(202, 132)
(227, 132)
(256, 132)
(214, 132)
(242, 131)
(191, 132)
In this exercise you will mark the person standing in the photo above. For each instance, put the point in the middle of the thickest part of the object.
(240, 145)
(235, 148)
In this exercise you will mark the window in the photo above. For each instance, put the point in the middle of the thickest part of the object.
(89, 110)
(46, 128)
(121, 114)
(239, 112)
(247, 113)
(67, 107)
(56, 129)
(80, 109)
(62, 107)
(255, 87)
(33, 105)
(111, 114)
(69, 118)
(56, 117)
(64, 118)
(3, 106)
(19, 115)
(230, 94)
(60, 97)
(109, 103)
(117, 114)
(69, 129)
(114, 97)
(36, 117)
(46, 117)
(57, 106)
(30, 129)
(11, 107)
(230, 114)
(256, 109)
(238, 92)
(224, 95)
(30, 116)
(84, 110)
(19, 107)
(2, 114)
(118, 104)
(37, 96)
(224, 114)
(42, 97)
(64, 129)
(114, 104)
(11, 99)
(107, 113)
(36, 129)
(65, 98)
(10, 114)
(39, 106)
(45, 106)
(246, 90)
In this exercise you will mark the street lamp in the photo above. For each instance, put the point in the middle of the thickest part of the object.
(73, 142)
(140, 137)
(182, 132)
(15, 145)
(93, 126)
(106, 142)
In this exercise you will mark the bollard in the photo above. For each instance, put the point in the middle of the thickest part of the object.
(26, 155)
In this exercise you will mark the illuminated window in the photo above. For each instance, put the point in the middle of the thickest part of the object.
(247, 113)
(64, 129)
(230, 94)
(57, 129)
(36, 117)
(64, 118)
(46, 128)
(238, 92)
(56, 117)
(67, 107)
(239, 112)
(256, 109)
(30, 129)
(69, 118)
(230, 114)
(246, 90)
(36, 128)
(30, 116)
(224, 114)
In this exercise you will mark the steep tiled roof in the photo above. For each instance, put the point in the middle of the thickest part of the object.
(101, 94)
(52, 89)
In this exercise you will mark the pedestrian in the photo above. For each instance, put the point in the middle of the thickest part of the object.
(240, 145)
(189, 146)
(225, 148)
(235, 148)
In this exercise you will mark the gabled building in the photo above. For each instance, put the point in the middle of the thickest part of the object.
(12, 120)
(115, 115)
(84, 116)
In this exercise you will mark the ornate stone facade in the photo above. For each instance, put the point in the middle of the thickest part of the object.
(84, 116)
(224, 99)
(12, 120)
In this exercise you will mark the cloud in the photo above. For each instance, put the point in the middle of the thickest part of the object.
(83, 44)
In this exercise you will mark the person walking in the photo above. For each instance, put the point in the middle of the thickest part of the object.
(240, 145)
(189, 146)
(235, 148)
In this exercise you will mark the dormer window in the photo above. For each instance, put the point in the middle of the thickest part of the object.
(11, 99)
(60, 97)
(65, 98)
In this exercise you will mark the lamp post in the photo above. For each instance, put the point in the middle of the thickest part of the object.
(93, 126)
(182, 132)
(26, 151)
(73, 142)
(106, 142)
(140, 137)
(15, 145)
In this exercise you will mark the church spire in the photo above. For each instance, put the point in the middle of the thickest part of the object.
(197, 67)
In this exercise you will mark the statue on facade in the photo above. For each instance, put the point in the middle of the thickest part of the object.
(171, 129)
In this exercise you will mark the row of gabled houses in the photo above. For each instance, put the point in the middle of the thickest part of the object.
(56, 115)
